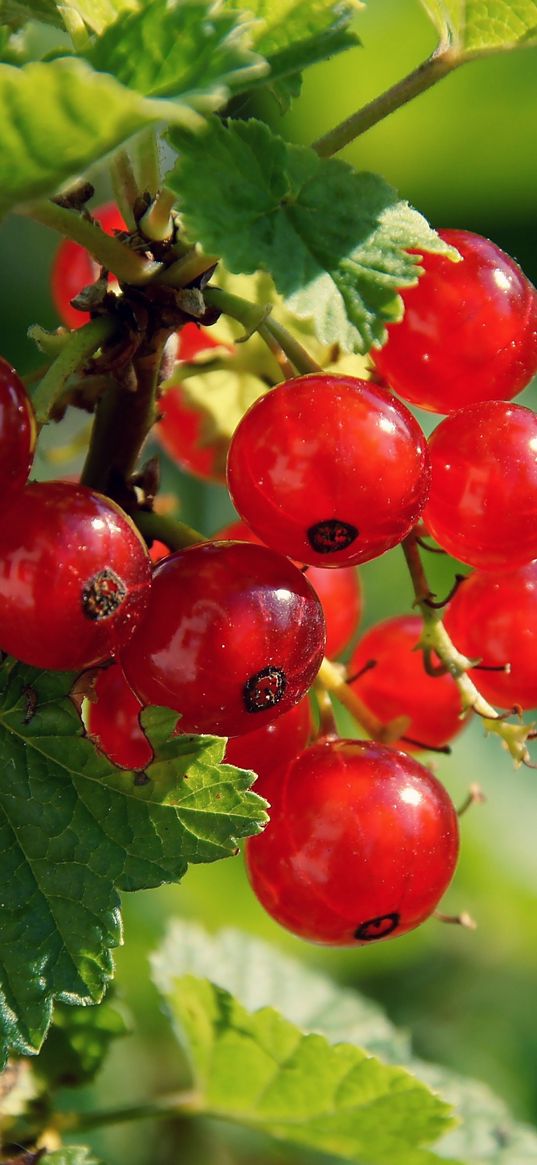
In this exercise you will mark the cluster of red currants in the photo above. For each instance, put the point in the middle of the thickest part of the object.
(326, 471)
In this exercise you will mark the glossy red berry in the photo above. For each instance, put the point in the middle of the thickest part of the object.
(74, 577)
(469, 332)
(74, 268)
(330, 470)
(362, 843)
(398, 684)
(482, 506)
(273, 745)
(493, 618)
(233, 638)
(17, 431)
(340, 593)
(113, 722)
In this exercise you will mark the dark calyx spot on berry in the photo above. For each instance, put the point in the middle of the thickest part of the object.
(102, 595)
(331, 535)
(377, 927)
(141, 778)
(265, 689)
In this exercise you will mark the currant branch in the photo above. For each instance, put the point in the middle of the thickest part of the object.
(255, 318)
(75, 349)
(442, 62)
(435, 638)
(109, 252)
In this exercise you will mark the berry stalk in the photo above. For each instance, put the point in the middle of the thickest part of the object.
(439, 65)
(75, 351)
(435, 638)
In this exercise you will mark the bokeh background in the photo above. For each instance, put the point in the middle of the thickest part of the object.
(464, 154)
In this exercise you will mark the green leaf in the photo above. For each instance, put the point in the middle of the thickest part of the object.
(98, 14)
(335, 241)
(70, 1155)
(62, 118)
(74, 831)
(298, 1088)
(257, 975)
(16, 13)
(472, 27)
(294, 34)
(193, 49)
(77, 1043)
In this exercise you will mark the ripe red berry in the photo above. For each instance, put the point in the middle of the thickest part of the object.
(17, 430)
(469, 332)
(398, 685)
(483, 502)
(362, 843)
(273, 745)
(74, 268)
(113, 721)
(330, 470)
(74, 577)
(233, 637)
(340, 593)
(493, 618)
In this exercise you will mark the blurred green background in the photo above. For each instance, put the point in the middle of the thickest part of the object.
(464, 154)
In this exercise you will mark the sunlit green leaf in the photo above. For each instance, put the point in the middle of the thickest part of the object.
(74, 830)
(335, 241)
(476, 26)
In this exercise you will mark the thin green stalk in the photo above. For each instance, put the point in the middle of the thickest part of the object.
(303, 362)
(125, 186)
(75, 352)
(258, 318)
(187, 1103)
(332, 677)
(250, 315)
(157, 223)
(437, 66)
(176, 535)
(436, 638)
(187, 268)
(107, 250)
(148, 162)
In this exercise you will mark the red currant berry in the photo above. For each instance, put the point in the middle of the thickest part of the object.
(361, 844)
(17, 430)
(398, 684)
(74, 577)
(483, 502)
(113, 721)
(329, 470)
(340, 593)
(493, 618)
(274, 744)
(74, 268)
(469, 332)
(233, 638)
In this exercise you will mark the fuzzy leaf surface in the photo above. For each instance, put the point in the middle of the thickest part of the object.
(193, 49)
(296, 1087)
(74, 831)
(472, 27)
(335, 241)
(99, 14)
(258, 976)
(63, 117)
(294, 34)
